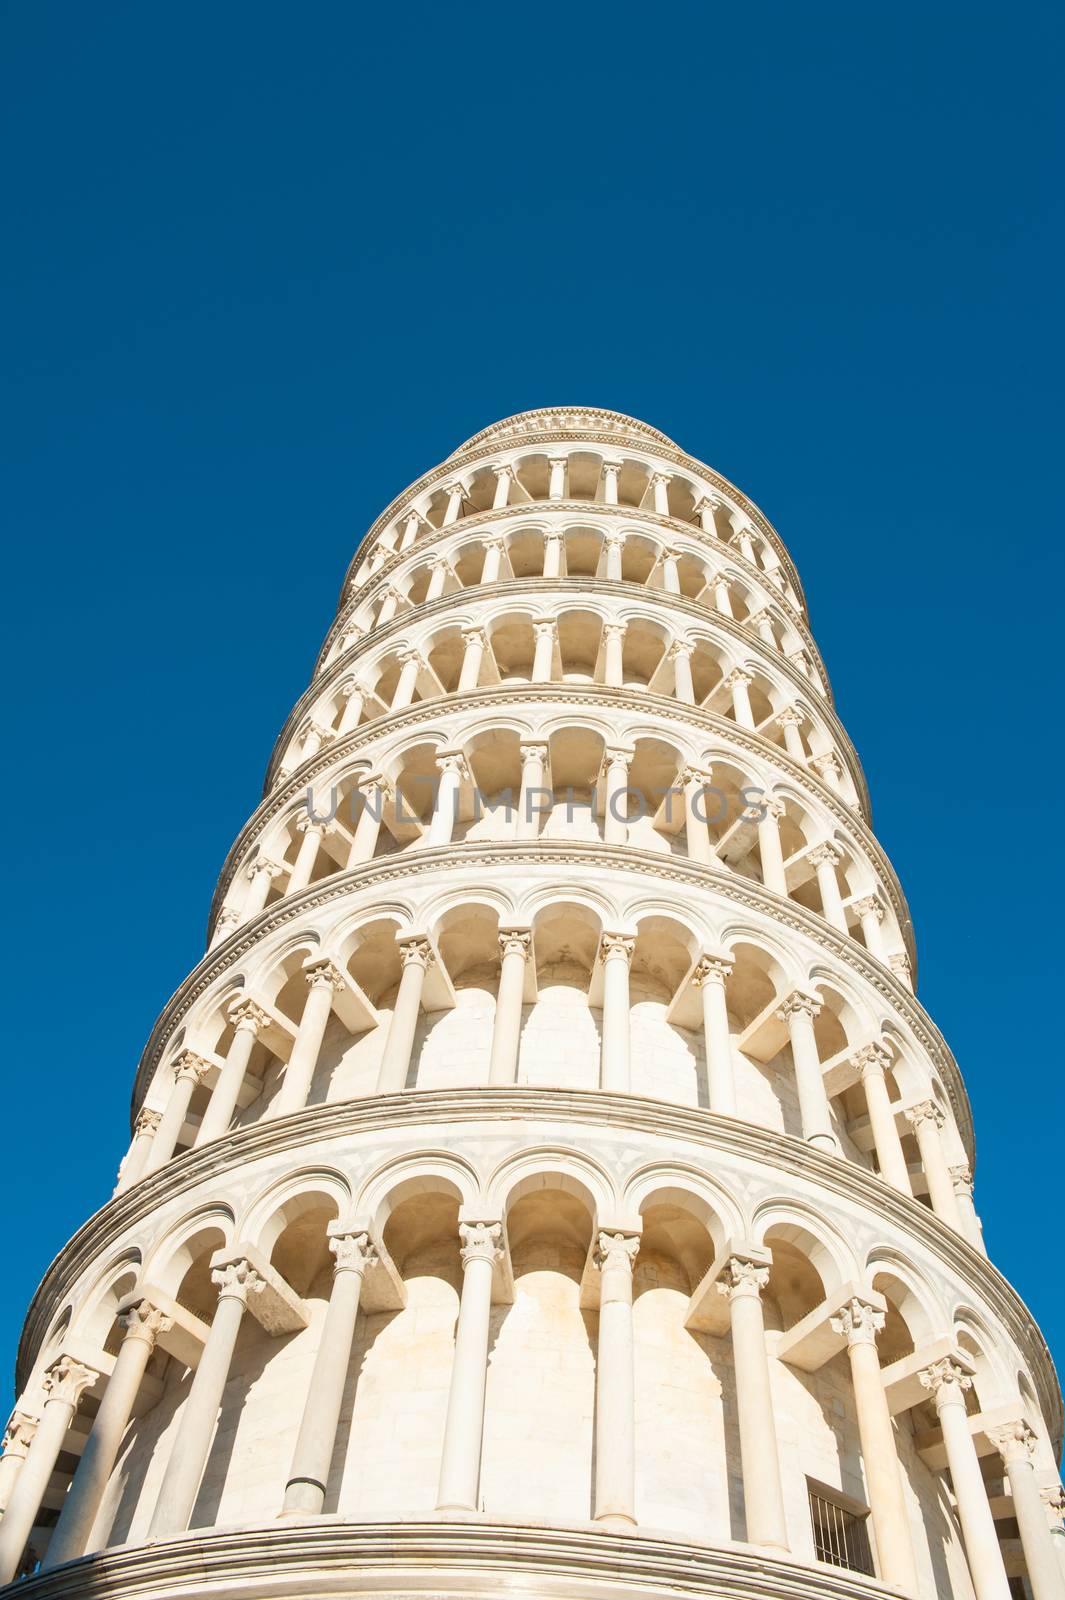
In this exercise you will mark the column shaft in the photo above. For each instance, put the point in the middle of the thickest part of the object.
(506, 1028)
(460, 1465)
(616, 1070)
(615, 1388)
(763, 1500)
(395, 1062)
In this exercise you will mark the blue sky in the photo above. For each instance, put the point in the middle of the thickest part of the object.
(263, 265)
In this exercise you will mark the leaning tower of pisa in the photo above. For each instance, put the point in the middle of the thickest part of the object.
(548, 1181)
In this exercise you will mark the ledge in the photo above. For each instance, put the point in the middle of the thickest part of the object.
(587, 1108)
(426, 1557)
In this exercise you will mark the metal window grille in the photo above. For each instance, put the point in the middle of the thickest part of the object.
(840, 1535)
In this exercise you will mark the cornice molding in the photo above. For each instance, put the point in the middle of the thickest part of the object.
(597, 1110)
(677, 458)
(572, 419)
(552, 854)
(458, 1555)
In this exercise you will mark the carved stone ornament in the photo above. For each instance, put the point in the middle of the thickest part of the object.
(67, 1380)
(237, 1280)
(480, 1241)
(354, 1252)
(741, 1276)
(858, 1322)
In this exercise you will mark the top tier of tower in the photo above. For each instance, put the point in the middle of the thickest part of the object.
(583, 456)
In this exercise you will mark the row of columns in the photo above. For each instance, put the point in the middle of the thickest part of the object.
(949, 1186)
(707, 507)
(742, 1276)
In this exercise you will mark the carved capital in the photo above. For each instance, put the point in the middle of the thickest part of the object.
(615, 946)
(145, 1321)
(453, 761)
(354, 1251)
(680, 647)
(871, 1059)
(790, 717)
(616, 1250)
(18, 1435)
(515, 942)
(350, 688)
(962, 1179)
(740, 1276)
(67, 1380)
(737, 676)
(323, 974)
(711, 969)
(946, 1381)
(858, 1322)
(825, 855)
(309, 824)
(617, 756)
(925, 1111)
(480, 1241)
(247, 1017)
(416, 953)
(532, 752)
(546, 629)
(147, 1122)
(869, 906)
(237, 1280)
(189, 1066)
(799, 1004)
(613, 630)
(272, 869)
(1014, 1442)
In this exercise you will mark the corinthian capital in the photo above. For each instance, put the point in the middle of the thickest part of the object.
(616, 1250)
(190, 1065)
(740, 1276)
(354, 1251)
(237, 1280)
(142, 1320)
(18, 1435)
(322, 973)
(67, 1380)
(925, 1111)
(799, 1004)
(416, 953)
(147, 1121)
(481, 1241)
(1014, 1442)
(945, 1380)
(857, 1321)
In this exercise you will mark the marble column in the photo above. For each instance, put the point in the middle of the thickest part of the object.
(248, 1021)
(798, 1011)
(961, 1177)
(871, 1063)
(143, 1324)
(680, 653)
(738, 683)
(262, 873)
(411, 524)
(557, 485)
(1015, 1444)
(860, 1323)
(453, 771)
(545, 634)
(316, 1441)
(824, 859)
(417, 957)
(613, 654)
(475, 643)
(770, 853)
(144, 1130)
(460, 1465)
(376, 794)
(190, 1070)
(64, 1384)
(493, 547)
(533, 768)
(705, 509)
(188, 1457)
(722, 598)
(323, 981)
(671, 571)
(552, 555)
(615, 545)
(660, 482)
(411, 665)
(694, 783)
(615, 1389)
(762, 623)
(927, 1120)
(514, 945)
(709, 978)
(616, 954)
(438, 576)
(611, 469)
(791, 721)
(742, 1281)
(616, 779)
(353, 695)
(456, 493)
(314, 736)
(390, 600)
(871, 914)
(947, 1382)
(303, 867)
(504, 479)
(18, 1436)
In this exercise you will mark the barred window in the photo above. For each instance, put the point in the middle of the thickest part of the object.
(840, 1534)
